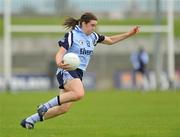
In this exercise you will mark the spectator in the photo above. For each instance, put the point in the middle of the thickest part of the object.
(139, 60)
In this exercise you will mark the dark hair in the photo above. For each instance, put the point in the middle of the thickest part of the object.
(70, 22)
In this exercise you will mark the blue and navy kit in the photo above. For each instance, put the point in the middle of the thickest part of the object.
(78, 42)
(139, 61)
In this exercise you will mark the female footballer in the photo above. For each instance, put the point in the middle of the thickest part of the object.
(81, 39)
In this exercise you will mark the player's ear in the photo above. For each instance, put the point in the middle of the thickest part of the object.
(84, 23)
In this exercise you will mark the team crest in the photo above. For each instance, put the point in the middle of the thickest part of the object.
(88, 43)
(80, 42)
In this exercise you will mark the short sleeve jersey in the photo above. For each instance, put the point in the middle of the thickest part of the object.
(78, 42)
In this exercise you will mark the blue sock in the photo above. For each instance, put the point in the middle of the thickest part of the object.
(53, 102)
(33, 118)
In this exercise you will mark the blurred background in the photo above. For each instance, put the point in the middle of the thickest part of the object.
(30, 29)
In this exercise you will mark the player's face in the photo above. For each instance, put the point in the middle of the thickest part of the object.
(89, 27)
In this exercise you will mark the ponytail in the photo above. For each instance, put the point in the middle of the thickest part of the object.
(70, 23)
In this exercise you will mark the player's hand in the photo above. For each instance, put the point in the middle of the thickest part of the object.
(64, 66)
(134, 30)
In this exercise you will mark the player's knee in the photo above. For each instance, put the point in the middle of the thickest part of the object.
(79, 95)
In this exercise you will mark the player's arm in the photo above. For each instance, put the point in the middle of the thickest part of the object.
(59, 58)
(109, 40)
(64, 46)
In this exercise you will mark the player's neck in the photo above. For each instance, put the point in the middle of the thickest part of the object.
(85, 31)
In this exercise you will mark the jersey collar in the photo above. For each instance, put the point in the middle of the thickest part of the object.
(77, 28)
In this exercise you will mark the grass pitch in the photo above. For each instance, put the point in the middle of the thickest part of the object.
(99, 114)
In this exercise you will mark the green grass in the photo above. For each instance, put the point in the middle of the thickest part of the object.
(59, 21)
(1, 27)
(99, 114)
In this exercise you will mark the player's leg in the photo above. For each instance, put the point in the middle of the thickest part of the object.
(74, 92)
(146, 78)
(53, 107)
(147, 74)
(134, 85)
(51, 113)
(58, 110)
(71, 82)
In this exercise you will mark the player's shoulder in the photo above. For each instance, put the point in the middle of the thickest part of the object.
(94, 35)
(98, 37)
(68, 34)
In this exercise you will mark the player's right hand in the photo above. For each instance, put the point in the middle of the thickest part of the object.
(134, 30)
(64, 66)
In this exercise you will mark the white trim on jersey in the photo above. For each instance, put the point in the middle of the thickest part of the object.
(96, 36)
(70, 39)
(78, 28)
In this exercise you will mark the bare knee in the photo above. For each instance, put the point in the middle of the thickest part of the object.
(78, 95)
(76, 89)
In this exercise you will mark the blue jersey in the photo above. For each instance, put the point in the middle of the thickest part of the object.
(139, 59)
(78, 42)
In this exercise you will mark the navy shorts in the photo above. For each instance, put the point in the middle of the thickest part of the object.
(63, 76)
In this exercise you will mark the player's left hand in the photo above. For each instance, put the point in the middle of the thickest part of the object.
(135, 30)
